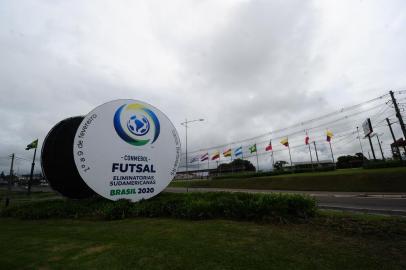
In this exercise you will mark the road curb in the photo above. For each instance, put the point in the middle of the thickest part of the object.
(364, 210)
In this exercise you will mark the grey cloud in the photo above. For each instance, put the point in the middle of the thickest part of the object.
(247, 67)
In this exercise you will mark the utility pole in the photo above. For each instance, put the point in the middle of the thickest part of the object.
(10, 178)
(398, 115)
(394, 139)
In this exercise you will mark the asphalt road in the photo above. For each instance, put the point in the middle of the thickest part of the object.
(371, 202)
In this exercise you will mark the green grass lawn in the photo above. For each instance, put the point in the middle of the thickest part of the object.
(337, 242)
(362, 180)
(17, 197)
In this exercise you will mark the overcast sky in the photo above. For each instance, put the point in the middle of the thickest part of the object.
(246, 67)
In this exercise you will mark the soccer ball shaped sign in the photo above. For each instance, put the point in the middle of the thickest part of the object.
(138, 125)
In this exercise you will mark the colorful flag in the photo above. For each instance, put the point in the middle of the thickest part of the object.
(32, 145)
(285, 142)
(269, 147)
(194, 159)
(307, 139)
(238, 151)
(227, 153)
(329, 135)
(204, 157)
(253, 148)
(215, 156)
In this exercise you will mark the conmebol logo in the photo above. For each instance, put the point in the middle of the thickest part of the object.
(136, 124)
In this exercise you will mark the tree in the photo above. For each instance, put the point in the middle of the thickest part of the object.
(237, 165)
(360, 156)
(2, 175)
(279, 164)
(349, 161)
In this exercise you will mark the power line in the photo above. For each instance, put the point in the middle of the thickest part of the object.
(323, 125)
(346, 136)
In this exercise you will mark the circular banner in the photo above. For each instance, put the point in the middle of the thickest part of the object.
(127, 149)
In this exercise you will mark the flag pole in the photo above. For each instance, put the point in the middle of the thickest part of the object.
(198, 166)
(310, 150)
(332, 156)
(256, 153)
(311, 158)
(231, 159)
(208, 165)
(290, 156)
(272, 158)
(315, 150)
(32, 171)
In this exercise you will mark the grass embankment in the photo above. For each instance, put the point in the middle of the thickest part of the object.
(326, 242)
(346, 180)
(281, 238)
(21, 196)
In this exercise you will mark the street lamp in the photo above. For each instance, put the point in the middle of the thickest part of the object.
(362, 150)
(185, 124)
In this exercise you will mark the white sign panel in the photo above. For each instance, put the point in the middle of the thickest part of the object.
(127, 149)
(367, 127)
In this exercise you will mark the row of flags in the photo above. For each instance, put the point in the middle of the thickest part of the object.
(253, 149)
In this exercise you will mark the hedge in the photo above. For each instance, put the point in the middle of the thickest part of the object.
(210, 205)
(383, 164)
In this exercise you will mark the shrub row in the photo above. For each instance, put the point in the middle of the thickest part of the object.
(237, 206)
(383, 164)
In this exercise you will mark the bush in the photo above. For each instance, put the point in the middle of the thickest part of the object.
(114, 210)
(236, 206)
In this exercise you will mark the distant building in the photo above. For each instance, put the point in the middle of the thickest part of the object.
(309, 165)
(398, 144)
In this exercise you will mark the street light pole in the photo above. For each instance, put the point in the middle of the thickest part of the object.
(362, 150)
(187, 175)
(380, 146)
(185, 124)
(379, 143)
